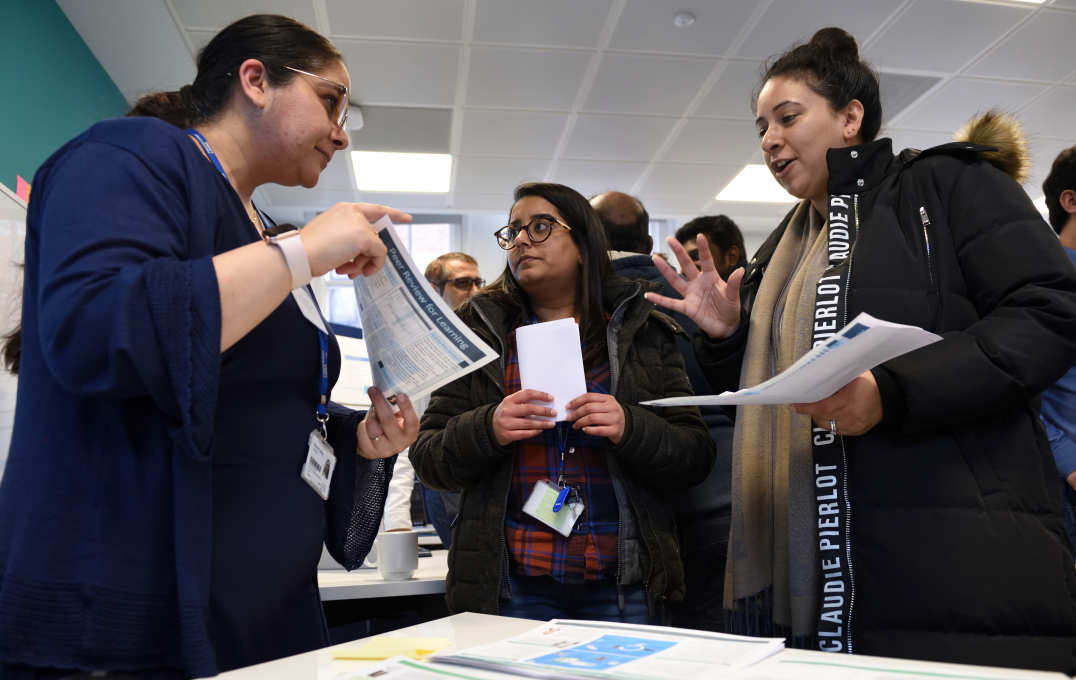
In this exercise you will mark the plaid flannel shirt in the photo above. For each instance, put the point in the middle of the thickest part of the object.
(589, 554)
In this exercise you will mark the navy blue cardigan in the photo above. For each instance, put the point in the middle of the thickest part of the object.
(107, 502)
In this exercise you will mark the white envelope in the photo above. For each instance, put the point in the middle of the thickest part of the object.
(551, 360)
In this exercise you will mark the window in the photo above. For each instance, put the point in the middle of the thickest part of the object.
(425, 238)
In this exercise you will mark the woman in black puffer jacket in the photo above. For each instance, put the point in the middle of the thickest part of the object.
(914, 513)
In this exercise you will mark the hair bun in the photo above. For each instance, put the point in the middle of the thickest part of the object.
(838, 42)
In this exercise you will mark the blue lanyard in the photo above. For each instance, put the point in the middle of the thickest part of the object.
(322, 415)
(204, 143)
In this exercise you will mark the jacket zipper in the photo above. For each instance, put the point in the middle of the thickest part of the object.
(844, 453)
(503, 585)
(848, 273)
(848, 553)
(925, 219)
(614, 378)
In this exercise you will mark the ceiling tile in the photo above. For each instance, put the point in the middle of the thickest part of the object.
(617, 138)
(789, 22)
(703, 140)
(525, 78)
(923, 37)
(404, 201)
(510, 133)
(216, 15)
(899, 90)
(648, 25)
(418, 19)
(1022, 54)
(1041, 116)
(486, 175)
(570, 23)
(683, 179)
(500, 203)
(136, 43)
(1043, 151)
(730, 97)
(400, 128)
(593, 177)
(401, 74)
(200, 39)
(637, 83)
(958, 100)
(686, 206)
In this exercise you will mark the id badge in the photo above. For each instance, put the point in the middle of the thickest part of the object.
(544, 498)
(319, 465)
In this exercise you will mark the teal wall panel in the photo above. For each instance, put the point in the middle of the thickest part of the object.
(51, 86)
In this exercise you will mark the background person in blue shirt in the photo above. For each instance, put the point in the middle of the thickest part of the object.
(1059, 402)
(153, 521)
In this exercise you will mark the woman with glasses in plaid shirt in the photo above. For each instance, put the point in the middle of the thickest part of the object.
(619, 560)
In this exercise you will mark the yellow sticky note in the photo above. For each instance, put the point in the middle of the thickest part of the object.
(384, 647)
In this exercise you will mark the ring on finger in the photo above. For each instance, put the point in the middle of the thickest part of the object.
(833, 425)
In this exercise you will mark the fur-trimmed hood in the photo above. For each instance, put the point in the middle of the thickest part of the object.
(1006, 135)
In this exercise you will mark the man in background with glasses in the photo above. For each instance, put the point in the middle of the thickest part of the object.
(455, 277)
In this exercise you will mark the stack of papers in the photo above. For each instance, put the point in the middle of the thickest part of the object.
(593, 650)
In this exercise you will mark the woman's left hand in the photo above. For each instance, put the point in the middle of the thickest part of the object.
(383, 433)
(597, 414)
(852, 410)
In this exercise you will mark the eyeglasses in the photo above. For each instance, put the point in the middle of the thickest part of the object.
(537, 230)
(464, 283)
(337, 106)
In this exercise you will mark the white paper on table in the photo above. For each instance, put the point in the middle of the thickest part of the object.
(860, 346)
(551, 360)
(587, 650)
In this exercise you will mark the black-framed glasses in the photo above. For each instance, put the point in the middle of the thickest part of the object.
(337, 106)
(538, 230)
(464, 283)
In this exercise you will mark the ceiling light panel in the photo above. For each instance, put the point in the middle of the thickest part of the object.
(755, 184)
(428, 173)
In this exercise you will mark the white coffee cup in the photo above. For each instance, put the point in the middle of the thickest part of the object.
(395, 554)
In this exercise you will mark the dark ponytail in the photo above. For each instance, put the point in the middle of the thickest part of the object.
(276, 41)
(830, 65)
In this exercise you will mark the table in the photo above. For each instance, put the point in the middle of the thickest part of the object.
(468, 630)
(429, 579)
(464, 630)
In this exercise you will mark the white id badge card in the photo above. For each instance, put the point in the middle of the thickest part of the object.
(319, 465)
(540, 507)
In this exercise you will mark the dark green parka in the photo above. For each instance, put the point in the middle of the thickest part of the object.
(662, 451)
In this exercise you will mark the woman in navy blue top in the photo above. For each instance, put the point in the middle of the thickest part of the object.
(174, 376)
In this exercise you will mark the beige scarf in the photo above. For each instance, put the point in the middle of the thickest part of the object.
(772, 539)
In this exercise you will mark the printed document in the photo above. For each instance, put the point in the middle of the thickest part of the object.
(860, 346)
(568, 649)
(415, 342)
(551, 360)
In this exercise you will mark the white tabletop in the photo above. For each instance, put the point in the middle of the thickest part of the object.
(429, 579)
(468, 630)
